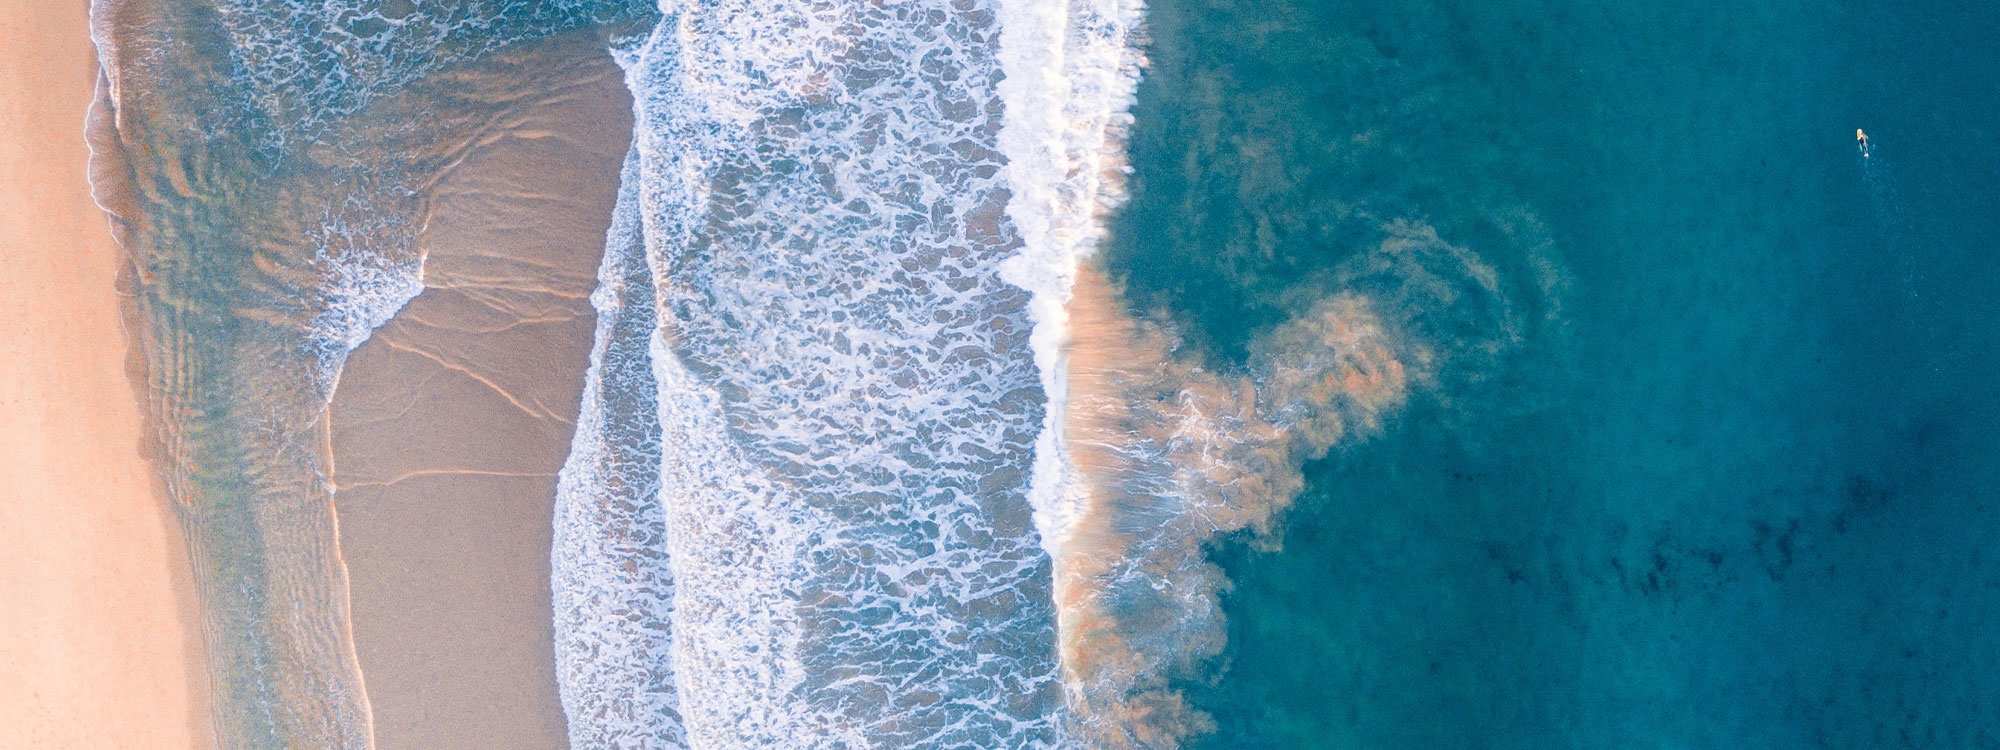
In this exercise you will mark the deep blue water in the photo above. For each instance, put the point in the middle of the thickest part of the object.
(1733, 486)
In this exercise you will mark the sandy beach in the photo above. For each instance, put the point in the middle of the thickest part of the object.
(98, 647)
(450, 423)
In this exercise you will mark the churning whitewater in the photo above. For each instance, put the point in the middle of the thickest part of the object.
(844, 388)
(870, 455)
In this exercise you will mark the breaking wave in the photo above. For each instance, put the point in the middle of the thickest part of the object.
(904, 469)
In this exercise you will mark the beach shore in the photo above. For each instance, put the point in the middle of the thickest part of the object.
(99, 646)
(450, 423)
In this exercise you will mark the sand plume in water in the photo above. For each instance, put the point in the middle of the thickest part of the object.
(1171, 454)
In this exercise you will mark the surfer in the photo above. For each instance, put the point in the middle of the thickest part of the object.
(1861, 142)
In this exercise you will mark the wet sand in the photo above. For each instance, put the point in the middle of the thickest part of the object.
(98, 642)
(450, 423)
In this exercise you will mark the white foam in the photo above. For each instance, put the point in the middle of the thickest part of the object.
(363, 282)
(1072, 68)
(610, 573)
(846, 388)
(852, 453)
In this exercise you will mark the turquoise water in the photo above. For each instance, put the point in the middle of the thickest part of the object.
(1728, 486)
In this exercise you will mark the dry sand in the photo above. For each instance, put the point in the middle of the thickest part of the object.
(97, 643)
(450, 423)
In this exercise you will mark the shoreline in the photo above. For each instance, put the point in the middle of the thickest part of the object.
(100, 643)
(452, 420)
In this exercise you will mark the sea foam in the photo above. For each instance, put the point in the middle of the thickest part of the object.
(846, 392)
(922, 479)
(612, 583)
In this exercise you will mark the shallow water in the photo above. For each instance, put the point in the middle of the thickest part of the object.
(267, 166)
(1734, 489)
